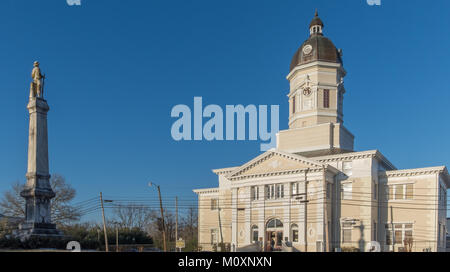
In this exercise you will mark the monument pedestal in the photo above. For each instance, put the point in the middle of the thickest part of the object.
(38, 192)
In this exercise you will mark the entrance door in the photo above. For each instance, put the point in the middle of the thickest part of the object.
(274, 235)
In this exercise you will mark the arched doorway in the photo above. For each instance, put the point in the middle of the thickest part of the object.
(274, 234)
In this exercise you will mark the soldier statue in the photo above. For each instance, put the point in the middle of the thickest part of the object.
(37, 86)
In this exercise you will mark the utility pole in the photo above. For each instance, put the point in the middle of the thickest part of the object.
(176, 222)
(306, 210)
(220, 223)
(104, 223)
(327, 241)
(162, 215)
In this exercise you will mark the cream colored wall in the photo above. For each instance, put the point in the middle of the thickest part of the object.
(305, 139)
(328, 78)
(422, 211)
(209, 219)
(361, 204)
(318, 137)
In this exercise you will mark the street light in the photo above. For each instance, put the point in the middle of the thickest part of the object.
(150, 184)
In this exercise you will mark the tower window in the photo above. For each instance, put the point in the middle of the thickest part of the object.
(293, 104)
(326, 98)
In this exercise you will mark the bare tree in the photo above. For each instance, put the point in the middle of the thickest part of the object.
(189, 228)
(134, 216)
(12, 204)
(189, 224)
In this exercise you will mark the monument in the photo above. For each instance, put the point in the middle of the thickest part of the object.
(37, 191)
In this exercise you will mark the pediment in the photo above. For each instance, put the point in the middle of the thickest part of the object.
(274, 162)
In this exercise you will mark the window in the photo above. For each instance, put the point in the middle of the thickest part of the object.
(294, 229)
(329, 189)
(402, 233)
(375, 231)
(214, 203)
(293, 104)
(274, 223)
(214, 236)
(254, 193)
(375, 191)
(347, 232)
(439, 234)
(255, 237)
(326, 98)
(401, 191)
(347, 191)
(294, 189)
(388, 236)
(443, 195)
(347, 168)
(274, 191)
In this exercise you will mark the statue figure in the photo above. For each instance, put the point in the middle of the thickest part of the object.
(37, 86)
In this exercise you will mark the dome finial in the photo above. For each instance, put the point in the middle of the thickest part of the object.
(316, 25)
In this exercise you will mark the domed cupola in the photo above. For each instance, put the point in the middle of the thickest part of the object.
(317, 47)
(316, 25)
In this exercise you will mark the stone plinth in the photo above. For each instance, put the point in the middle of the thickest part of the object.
(38, 192)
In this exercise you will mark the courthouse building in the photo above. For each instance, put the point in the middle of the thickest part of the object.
(314, 192)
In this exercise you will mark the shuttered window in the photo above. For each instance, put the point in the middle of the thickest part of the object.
(326, 98)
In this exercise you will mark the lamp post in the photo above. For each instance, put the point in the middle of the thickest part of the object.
(150, 184)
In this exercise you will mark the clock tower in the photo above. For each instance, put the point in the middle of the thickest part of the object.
(316, 113)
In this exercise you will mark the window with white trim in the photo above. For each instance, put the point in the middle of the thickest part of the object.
(254, 193)
(294, 229)
(255, 234)
(401, 191)
(347, 232)
(347, 191)
(294, 189)
(347, 167)
(275, 191)
(402, 233)
(214, 203)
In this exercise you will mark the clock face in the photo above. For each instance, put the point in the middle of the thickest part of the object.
(307, 49)
(307, 91)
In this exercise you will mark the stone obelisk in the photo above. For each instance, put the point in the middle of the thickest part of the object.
(38, 192)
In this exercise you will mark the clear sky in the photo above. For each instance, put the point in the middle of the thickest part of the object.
(116, 68)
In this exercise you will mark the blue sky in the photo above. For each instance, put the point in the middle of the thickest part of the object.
(116, 68)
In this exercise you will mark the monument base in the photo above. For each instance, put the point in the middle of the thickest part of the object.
(29, 230)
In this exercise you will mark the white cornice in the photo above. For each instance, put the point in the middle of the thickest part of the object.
(314, 113)
(415, 172)
(269, 154)
(206, 191)
(316, 63)
(223, 171)
(275, 174)
(355, 156)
